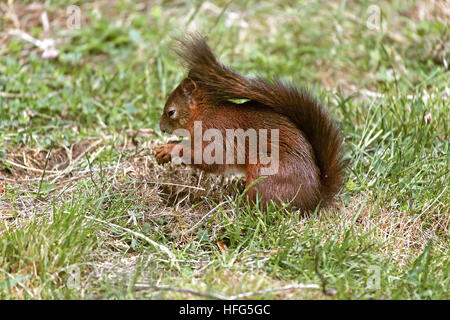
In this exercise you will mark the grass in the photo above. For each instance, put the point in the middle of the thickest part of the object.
(85, 211)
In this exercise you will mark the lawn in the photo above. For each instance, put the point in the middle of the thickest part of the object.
(87, 213)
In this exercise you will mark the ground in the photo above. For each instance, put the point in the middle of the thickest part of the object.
(86, 212)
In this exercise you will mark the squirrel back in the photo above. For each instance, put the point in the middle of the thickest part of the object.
(221, 84)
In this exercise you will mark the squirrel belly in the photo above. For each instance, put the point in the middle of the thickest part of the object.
(280, 133)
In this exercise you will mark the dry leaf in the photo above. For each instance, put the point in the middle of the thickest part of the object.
(222, 246)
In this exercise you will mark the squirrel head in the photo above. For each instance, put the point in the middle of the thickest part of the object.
(180, 106)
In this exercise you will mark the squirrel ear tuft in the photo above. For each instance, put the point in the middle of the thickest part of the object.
(189, 86)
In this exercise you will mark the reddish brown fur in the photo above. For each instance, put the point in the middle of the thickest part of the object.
(310, 165)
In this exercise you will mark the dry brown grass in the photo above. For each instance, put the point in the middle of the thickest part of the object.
(401, 235)
(183, 196)
(170, 191)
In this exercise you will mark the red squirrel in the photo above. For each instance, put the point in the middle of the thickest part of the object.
(308, 146)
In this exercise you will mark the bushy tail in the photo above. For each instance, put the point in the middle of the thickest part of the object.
(220, 83)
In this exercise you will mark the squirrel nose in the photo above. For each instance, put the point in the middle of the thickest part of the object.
(163, 127)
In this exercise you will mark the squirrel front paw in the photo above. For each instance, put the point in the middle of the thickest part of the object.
(164, 153)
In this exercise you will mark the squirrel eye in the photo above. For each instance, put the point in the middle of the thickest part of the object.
(171, 113)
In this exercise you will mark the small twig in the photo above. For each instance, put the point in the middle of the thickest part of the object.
(46, 45)
(26, 37)
(223, 297)
(140, 236)
(172, 184)
(29, 168)
(183, 290)
(12, 95)
(45, 22)
(201, 220)
(285, 288)
(12, 14)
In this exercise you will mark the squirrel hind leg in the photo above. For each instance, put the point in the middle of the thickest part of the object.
(284, 187)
